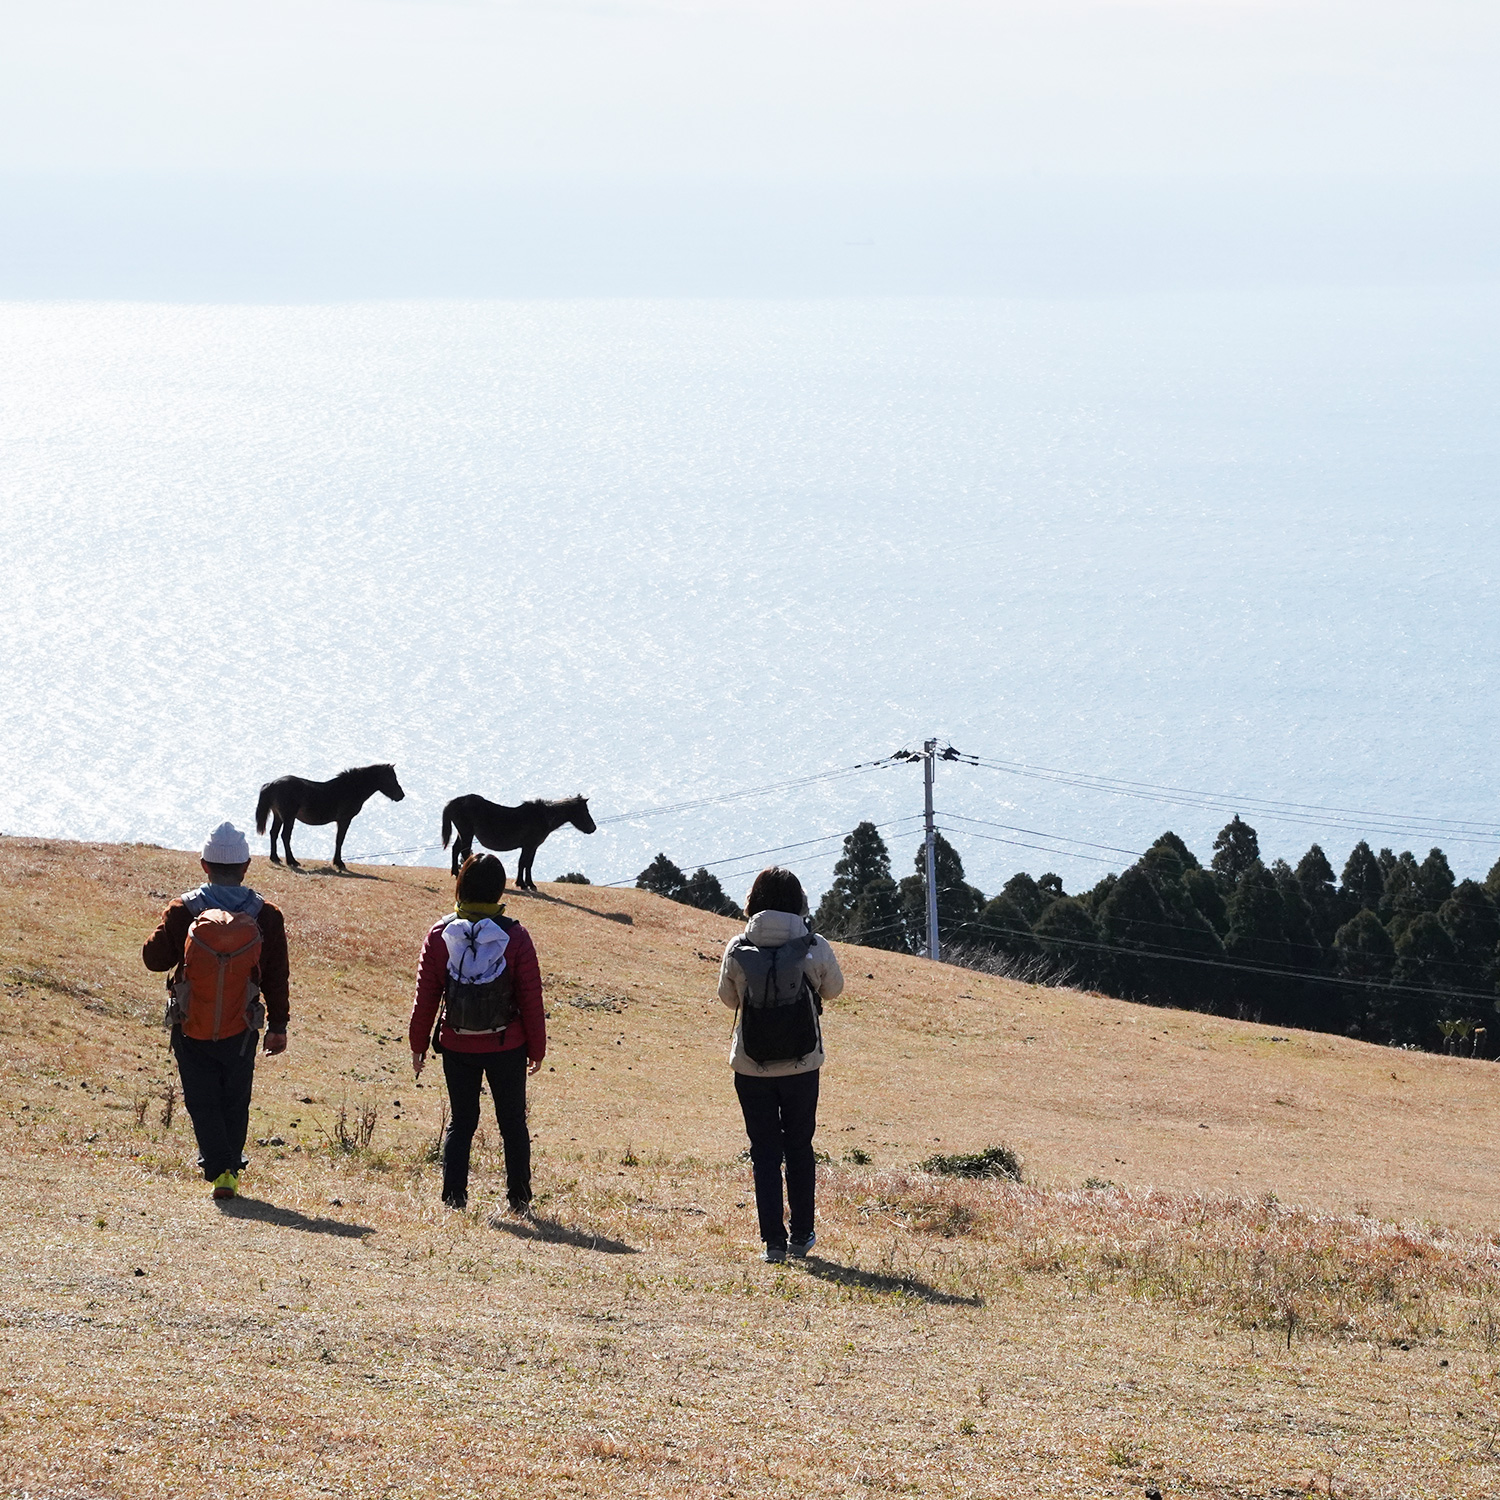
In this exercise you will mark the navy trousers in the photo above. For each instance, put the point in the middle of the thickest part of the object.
(217, 1078)
(781, 1115)
(464, 1072)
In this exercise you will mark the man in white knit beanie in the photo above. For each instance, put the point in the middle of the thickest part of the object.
(224, 947)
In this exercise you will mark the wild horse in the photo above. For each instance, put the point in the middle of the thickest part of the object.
(522, 827)
(289, 798)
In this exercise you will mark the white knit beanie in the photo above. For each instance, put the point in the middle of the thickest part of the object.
(226, 845)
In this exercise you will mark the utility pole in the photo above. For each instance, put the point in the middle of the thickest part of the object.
(929, 761)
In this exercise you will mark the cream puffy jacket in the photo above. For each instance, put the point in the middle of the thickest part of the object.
(770, 929)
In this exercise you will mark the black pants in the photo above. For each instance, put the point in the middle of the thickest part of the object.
(781, 1115)
(463, 1073)
(216, 1081)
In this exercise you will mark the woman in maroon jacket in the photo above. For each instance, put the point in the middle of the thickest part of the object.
(481, 967)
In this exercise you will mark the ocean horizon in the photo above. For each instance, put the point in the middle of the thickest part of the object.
(662, 550)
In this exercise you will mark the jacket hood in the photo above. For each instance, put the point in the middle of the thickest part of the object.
(770, 929)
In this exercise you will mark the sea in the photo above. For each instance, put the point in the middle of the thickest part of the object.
(1143, 561)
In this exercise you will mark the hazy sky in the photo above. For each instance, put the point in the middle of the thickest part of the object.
(308, 149)
(811, 88)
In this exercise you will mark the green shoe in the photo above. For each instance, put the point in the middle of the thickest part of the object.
(226, 1184)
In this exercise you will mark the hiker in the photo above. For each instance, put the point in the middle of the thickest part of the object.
(225, 948)
(775, 977)
(480, 966)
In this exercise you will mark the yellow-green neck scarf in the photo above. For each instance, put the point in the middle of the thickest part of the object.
(472, 911)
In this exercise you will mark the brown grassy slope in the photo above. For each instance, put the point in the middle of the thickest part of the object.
(923, 1057)
(339, 1331)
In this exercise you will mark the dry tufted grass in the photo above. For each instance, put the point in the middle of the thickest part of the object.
(1304, 1295)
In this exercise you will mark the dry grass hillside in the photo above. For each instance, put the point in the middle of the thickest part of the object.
(1244, 1262)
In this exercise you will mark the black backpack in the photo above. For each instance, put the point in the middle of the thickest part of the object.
(779, 1019)
(480, 1007)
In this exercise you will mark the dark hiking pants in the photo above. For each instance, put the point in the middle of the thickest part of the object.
(464, 1072)
(216, 1081)
(780, 1117)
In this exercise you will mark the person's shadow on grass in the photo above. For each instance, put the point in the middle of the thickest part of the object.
(873, 1281)
(289, 1218)
(554, 1232)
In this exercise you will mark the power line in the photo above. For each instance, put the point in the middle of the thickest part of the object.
(1383, 824)
(841, 773)
(1038, 833)
(1311, 976)
(753, 791)
(969, 833)
(729, 859)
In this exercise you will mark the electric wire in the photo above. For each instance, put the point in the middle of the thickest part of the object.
(969, 833)
(1040, 834)
(842, 773)
(1305, 814)
(728, 859)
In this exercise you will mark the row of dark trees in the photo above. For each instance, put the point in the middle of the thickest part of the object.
(1393, 950)
(700, 889)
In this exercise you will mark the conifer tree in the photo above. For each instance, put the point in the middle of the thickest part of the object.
(1402, 900)
(1435, 879)
(1316, 883)
(702, 889)
(1133, 922)
(1027, 896)
(1003, 927)
(1424, 960)
(1203, 890)
(958, 902)
(1366, 955)
(877, 920)
(1067, 935)
(865, 859)
(1235, 850)
(663, 878)
(1363, 880)
(1492, 882)
(1470, 919)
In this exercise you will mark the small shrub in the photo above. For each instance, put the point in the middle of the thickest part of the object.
(858, 1157)
(353, 1131)
(574, 877)
(995, 1161)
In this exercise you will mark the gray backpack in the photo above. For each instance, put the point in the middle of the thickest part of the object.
(779, 1019)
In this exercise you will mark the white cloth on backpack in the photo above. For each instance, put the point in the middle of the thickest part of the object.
(476, 950)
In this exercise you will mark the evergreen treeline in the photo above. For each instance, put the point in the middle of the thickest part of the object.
(700, 889)
(1393, 949)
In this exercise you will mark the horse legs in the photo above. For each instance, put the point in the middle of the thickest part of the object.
(523, 868)
(286, 840)
(275, 834)
(338, 845)
(463, 847)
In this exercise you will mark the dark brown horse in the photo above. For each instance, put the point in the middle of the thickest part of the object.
(289, 798)
(522, 827)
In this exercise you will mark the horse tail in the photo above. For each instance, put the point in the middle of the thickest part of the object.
(447, 823)
(263, 808)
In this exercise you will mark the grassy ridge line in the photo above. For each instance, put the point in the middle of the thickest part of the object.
(923, 1057)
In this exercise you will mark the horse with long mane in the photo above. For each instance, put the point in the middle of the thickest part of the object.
(522, 827)
(289, 798)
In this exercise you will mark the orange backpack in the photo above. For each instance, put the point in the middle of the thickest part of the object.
(214, 993)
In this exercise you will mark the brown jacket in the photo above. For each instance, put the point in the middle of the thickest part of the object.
(163, 952)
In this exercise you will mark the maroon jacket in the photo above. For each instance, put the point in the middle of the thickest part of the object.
(163, 951)
(529, 1029)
